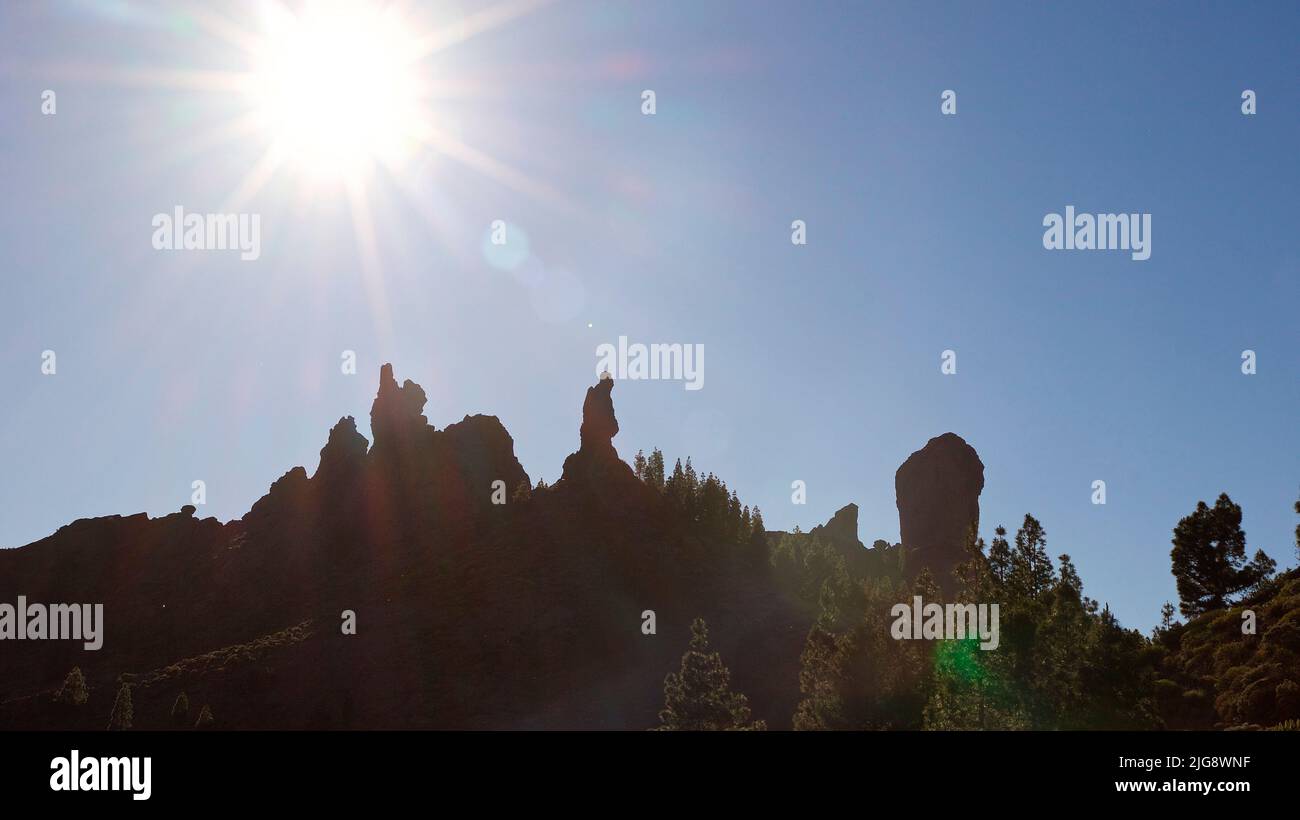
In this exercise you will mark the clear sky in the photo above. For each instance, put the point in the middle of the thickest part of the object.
(924, 233)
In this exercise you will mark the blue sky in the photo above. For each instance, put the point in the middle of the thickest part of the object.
(822, 361)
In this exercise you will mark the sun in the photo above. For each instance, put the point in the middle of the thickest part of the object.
(337, 87)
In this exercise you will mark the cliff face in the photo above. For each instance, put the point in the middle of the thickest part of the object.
(937, 490)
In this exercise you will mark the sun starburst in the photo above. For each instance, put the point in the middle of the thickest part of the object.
(337, 87)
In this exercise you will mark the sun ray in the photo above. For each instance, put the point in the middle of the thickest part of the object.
(416, 199)
(227, 30)
(256, 178)
(372, 279)
(299, 76)
(170, 150)
(489, 166)
(476, 24)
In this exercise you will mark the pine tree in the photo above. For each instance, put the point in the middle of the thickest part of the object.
(735, 519)
(181, 710)
(639, 465)
(699, 697)
(691, 492)
(1000, 556)
(709, 505)
(820, 682)
(962, 676)
(1297, 530)
(655, 469)
(1031, 569)
(1060, 663)
(1167, 616)
(205, 718)
(74, 690)
(854, 675)
(973, 575)
(122, 713)
(1024, 661)
(1061, 632)
(1260, 571)
(1117, 676)
(925, 586)
(758, 533)
(675, 486)
(1209, 558)
(1167, 621)
(1069, 575)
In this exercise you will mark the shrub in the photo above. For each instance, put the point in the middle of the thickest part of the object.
(122, 712)
(74, 690)
(181, 710)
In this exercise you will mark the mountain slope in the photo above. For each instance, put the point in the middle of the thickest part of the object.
(469, 614)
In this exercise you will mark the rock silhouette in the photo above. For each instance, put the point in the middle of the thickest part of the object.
(599, 426)
(595, 478)
(524, 615)
(937, 491)
(469, 614)
(842, 528)
(396, 416)
(879, 560)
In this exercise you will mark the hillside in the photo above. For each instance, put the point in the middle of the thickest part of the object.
(481, 601)
(1216, 675)
(469, 614)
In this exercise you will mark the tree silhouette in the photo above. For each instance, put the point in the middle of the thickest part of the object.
(655, 469)
(758, 533)
(1031, 569)
(1167, 622)
(854, 675)
(699, 697)
(181, 710)
(1209, 558)
(205, 720)
(74, 690)
(1000, 556)
(122, 712)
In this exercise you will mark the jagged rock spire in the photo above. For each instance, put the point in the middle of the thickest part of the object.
(396, 410)
(344, 452)
(599, 426)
